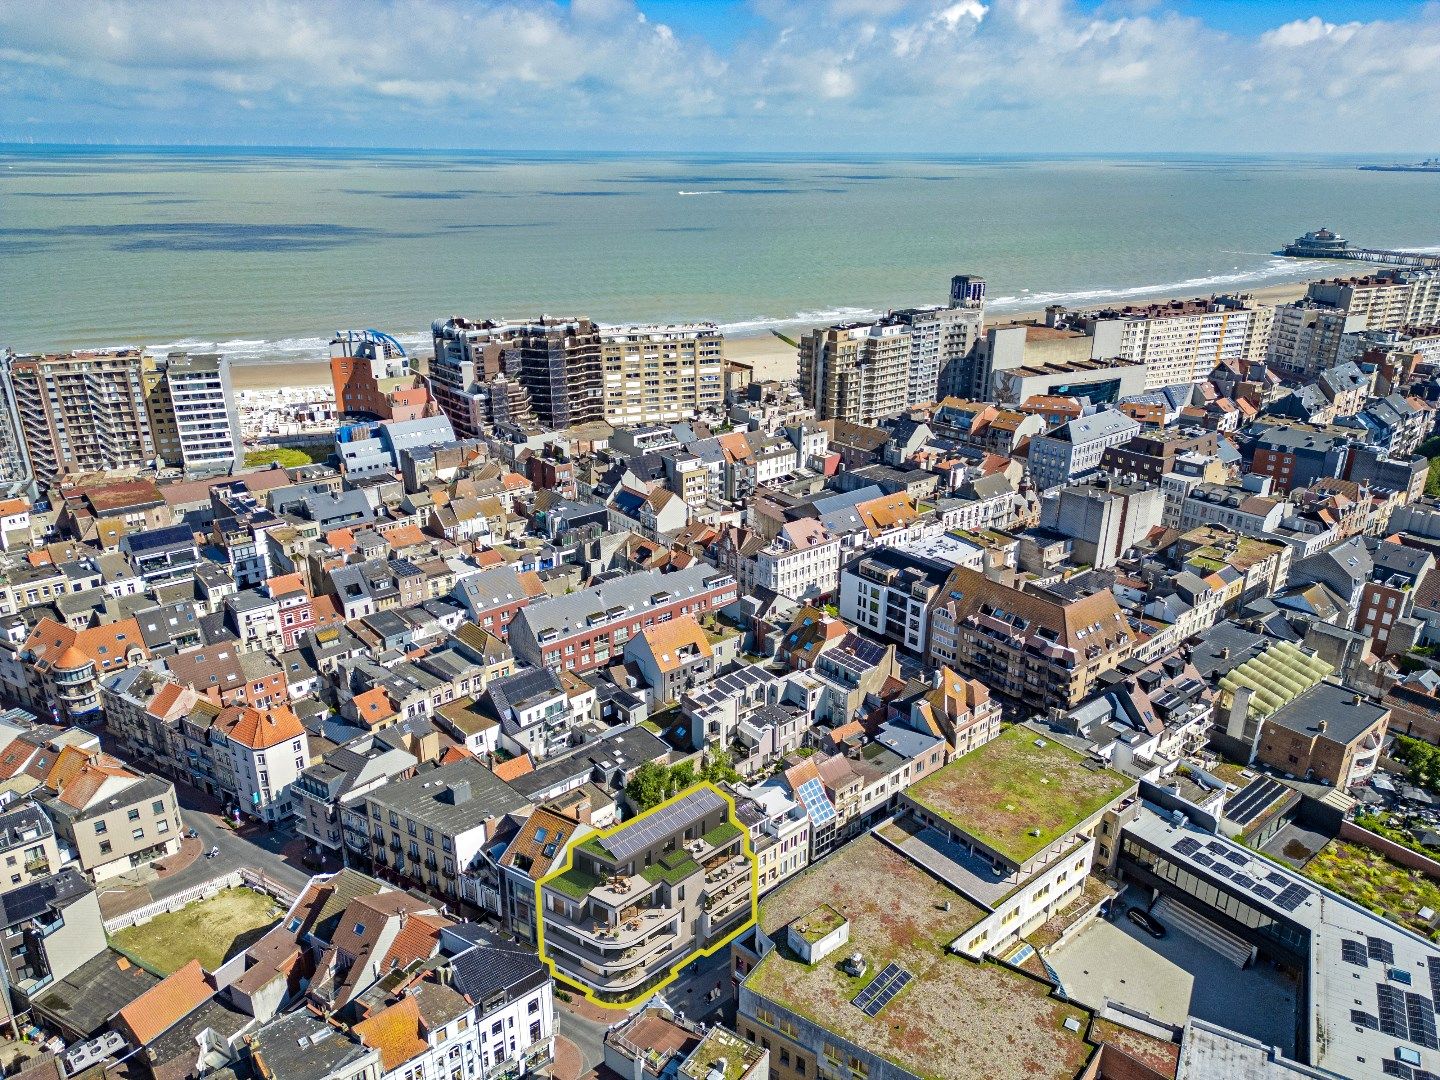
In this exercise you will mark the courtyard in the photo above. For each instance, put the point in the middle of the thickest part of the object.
(210, 931)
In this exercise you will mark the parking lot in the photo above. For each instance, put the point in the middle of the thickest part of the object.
(1173, 977)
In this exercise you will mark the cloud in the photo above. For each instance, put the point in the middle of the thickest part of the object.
(803, 74)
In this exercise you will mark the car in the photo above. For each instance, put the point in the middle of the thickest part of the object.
(1147, 922)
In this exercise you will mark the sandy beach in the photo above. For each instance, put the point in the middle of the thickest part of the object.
(770, 357)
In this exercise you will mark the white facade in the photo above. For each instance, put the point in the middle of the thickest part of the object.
(801, 570)
(1182, 346)
(263, 777)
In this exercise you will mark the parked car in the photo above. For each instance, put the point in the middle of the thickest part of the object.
(1147, 922)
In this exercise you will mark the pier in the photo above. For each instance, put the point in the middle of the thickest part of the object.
(1324, 244)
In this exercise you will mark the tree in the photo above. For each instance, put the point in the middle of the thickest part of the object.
(681, 776)
(719, 768)
(649, 787)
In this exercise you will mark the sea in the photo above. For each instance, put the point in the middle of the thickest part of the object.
(264, 254)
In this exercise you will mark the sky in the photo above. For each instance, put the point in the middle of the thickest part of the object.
(774, 76)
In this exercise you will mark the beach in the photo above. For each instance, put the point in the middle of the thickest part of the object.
(770, 357)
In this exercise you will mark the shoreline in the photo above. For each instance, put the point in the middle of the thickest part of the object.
(770, 357)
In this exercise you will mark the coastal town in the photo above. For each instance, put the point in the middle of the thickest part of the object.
(935, 695)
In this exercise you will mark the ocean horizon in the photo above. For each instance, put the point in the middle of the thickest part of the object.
(264, 252)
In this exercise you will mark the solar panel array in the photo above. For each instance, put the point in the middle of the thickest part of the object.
(1433, 962)
(1393, 1020)
(881, 989)
(1352, 952)
(1380, 949)
(817, 803)
(1420, 1011)
(660, 824)
(1291, 897)
(1391, 1067)
(1188, 846)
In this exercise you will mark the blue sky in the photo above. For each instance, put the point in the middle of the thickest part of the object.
(944, 76)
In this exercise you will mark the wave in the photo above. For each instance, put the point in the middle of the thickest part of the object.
(712, 191)
(276, 351)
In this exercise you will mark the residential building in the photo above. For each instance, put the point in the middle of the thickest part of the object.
(888, 592)
(672, 658)
(660, 374)
(1075, 450)
(1028, 643)
(1390, 299)
(329, 811)
(1389, 595)
(1102, 519)
(115, 819)
(48, 929)
(80, 412)
(371, 374)
(584, 630)
(64, 666)
(28, 849)
(638, 901)
(1180, 341)
(1306, 337)
(191, 405)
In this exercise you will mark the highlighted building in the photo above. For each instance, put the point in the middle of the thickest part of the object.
(635, 903)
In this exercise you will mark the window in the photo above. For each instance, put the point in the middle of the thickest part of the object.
(101, 828)
(158, 806)
(104, 847)
(535, 1032)
(137, 834)
(162, 826)
(533, 1007)
(133, 815)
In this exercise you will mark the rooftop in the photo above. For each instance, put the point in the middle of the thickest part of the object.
(1016, 785)
(956, 1019)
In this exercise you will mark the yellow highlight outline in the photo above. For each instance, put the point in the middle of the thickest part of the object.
(600, 834)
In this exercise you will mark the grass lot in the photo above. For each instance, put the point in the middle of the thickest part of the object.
(288, 457)
(1000, 792)
(210, 931)
(1369, 878)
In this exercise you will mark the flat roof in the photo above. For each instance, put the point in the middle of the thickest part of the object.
(956, 1019)
(1355, 954)
(1020, 781)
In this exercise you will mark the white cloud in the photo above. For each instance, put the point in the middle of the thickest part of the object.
(943, 74)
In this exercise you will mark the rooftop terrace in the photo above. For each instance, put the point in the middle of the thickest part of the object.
(1016, 786)
(956, 1019)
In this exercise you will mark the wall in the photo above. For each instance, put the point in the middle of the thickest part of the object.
(1391, 850)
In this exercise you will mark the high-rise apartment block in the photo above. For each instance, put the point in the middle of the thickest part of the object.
(80, 412)
(1307, 337)
(660, 374)
(191, 405)
(1181, 341)
(864, 371)
(563, 372)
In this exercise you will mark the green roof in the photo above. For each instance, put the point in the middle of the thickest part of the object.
(574, 883)
(1019, 793)
(721, 834)
(672, 869)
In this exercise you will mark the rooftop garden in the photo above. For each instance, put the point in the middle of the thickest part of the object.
(210, 931)
(1369, 878)
(722, 834)
(947, 1023)
(672, 869)
(1019, 793)
(721, 1047)
(574, 883)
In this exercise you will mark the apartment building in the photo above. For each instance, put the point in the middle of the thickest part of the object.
(888, 591)
(1180, 342)
(191, 405)
(641, 899)
(475, 376)
(48, 929)
(1306, 337)
(325, 789)
(1391, 299)
(862, 372)
(372, 376)
(661, 374)
(113, 818)
(248, 756)
(80, 412)
(587, 629)
(1041, 646)
(28, 849)
(1075, 450)
(1150, 457)
(64, 666)
(1239, 509)
(429, 830)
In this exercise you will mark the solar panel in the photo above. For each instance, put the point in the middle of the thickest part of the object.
(1380, 949)
(1391, 1067)
(1363, 1019)
(1292, 897)
(1392, 1012)
(1243, 880)
(817, 804)
(1216, 847)
(1188, 846)
(881, 989)
(1221, 870)
(1423, 1074)
(661, 824)
(1352, 952)
(1420, 1011)
(1433, 963)
(1264, 892)
(1236, 858)
(1204, 860)
(1276, 879)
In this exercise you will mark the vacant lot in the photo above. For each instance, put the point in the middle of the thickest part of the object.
(210, 931)
(1369, 878)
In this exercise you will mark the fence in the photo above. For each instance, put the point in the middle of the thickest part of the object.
(204, 891)
(1391, 850)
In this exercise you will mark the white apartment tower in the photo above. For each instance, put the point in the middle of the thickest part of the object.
(1180, 342)
(192, 412)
